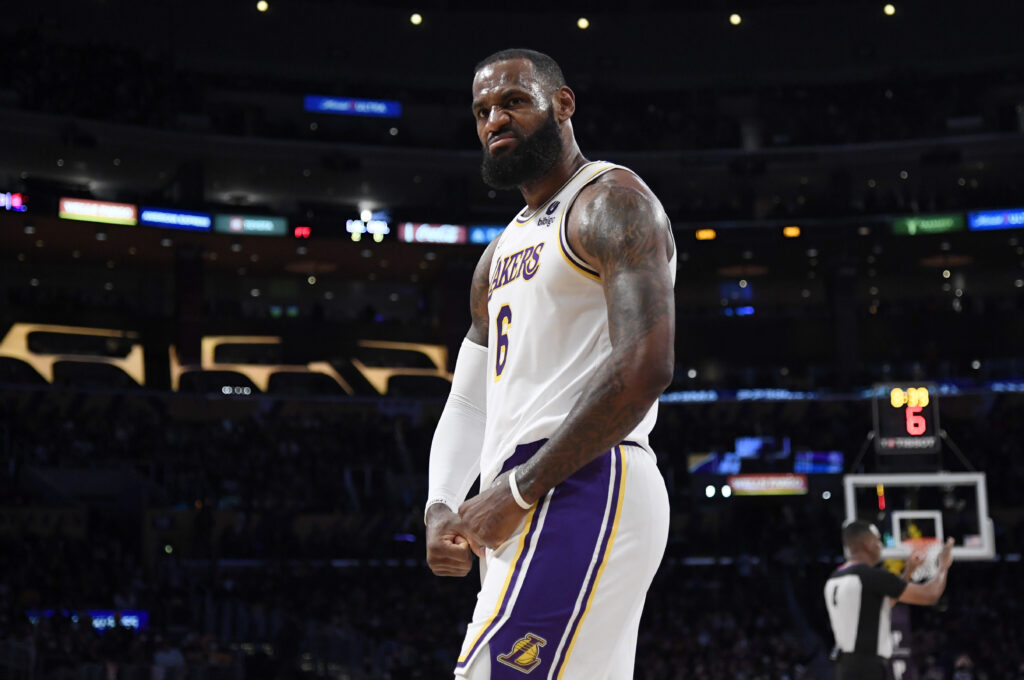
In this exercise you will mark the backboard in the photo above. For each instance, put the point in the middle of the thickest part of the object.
(924, 505)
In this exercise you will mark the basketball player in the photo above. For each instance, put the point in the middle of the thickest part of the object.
(554, 394)
(859, 596)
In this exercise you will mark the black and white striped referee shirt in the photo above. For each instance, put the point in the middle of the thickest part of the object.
(856, 596)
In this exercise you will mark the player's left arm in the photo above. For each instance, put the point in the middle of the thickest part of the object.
(620, 228)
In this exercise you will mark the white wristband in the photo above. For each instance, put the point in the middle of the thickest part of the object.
(448, 503)
(520, 501)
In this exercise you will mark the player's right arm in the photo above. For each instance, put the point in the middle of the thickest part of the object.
(929, 593)
(458, 439)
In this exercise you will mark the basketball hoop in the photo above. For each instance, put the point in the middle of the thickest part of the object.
(931, 548)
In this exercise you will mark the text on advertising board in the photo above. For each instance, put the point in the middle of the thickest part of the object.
(422, 232)
(97, 211)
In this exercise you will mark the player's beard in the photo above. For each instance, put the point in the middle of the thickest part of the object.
(531, 159)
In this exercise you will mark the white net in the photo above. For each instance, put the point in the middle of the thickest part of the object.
(930, 549)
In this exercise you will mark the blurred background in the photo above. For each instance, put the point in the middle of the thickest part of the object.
(236, 239)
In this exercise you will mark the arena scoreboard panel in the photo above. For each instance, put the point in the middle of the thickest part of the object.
(906, 418)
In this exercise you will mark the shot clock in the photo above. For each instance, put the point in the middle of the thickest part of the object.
(906, 418)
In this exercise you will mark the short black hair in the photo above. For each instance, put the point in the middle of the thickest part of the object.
(546, 67)
(855, 529)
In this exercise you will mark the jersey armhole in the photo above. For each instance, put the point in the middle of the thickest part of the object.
(568, 254)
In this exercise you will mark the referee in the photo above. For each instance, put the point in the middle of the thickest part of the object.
(859, 596)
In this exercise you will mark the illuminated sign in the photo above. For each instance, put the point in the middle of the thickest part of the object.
(420, 232)
(818, 462)
(483, 235)
(768, 485)
(928, 224)
(13, 202)
(175, 219)
(251, 225)
(996, 219)
(706, 234)
(380, 376)
(302, 232)
(773, 394)
(376, 228)
(17, 344)
(350, 106)
(906, 419)
(102, 619)
(690, 397)
(98, 211)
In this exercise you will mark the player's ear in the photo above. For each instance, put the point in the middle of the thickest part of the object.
(564, 100)
(867, 542)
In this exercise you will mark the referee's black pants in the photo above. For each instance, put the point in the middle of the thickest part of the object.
(860, 667)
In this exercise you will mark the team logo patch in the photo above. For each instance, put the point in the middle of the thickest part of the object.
(525, 653)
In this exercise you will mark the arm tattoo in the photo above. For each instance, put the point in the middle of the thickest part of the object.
(621, 229)
(479, 330)
(628, 236)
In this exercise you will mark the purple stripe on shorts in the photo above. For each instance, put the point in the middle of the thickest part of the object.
(543, 610)
(517, 569)
(601, 556)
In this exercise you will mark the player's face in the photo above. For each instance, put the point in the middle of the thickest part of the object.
(516, 124)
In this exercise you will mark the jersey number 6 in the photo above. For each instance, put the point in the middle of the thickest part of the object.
(504, 321)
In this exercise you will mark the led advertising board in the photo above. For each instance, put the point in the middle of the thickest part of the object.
(928, 224)
(13, 202)
(98, 211)
(250, 225)
(423, 232)
(175, 219)
(768, 485)
(996, 219)
(351, 106)
(483, 234)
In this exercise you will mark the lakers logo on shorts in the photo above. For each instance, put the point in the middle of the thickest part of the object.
(525, 653)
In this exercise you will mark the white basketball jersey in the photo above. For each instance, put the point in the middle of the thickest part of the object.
(548, 328)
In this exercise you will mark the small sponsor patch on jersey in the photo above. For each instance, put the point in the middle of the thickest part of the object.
(549, 215)
(525, 653)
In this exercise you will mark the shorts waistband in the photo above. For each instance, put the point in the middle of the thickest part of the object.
(524, 452)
